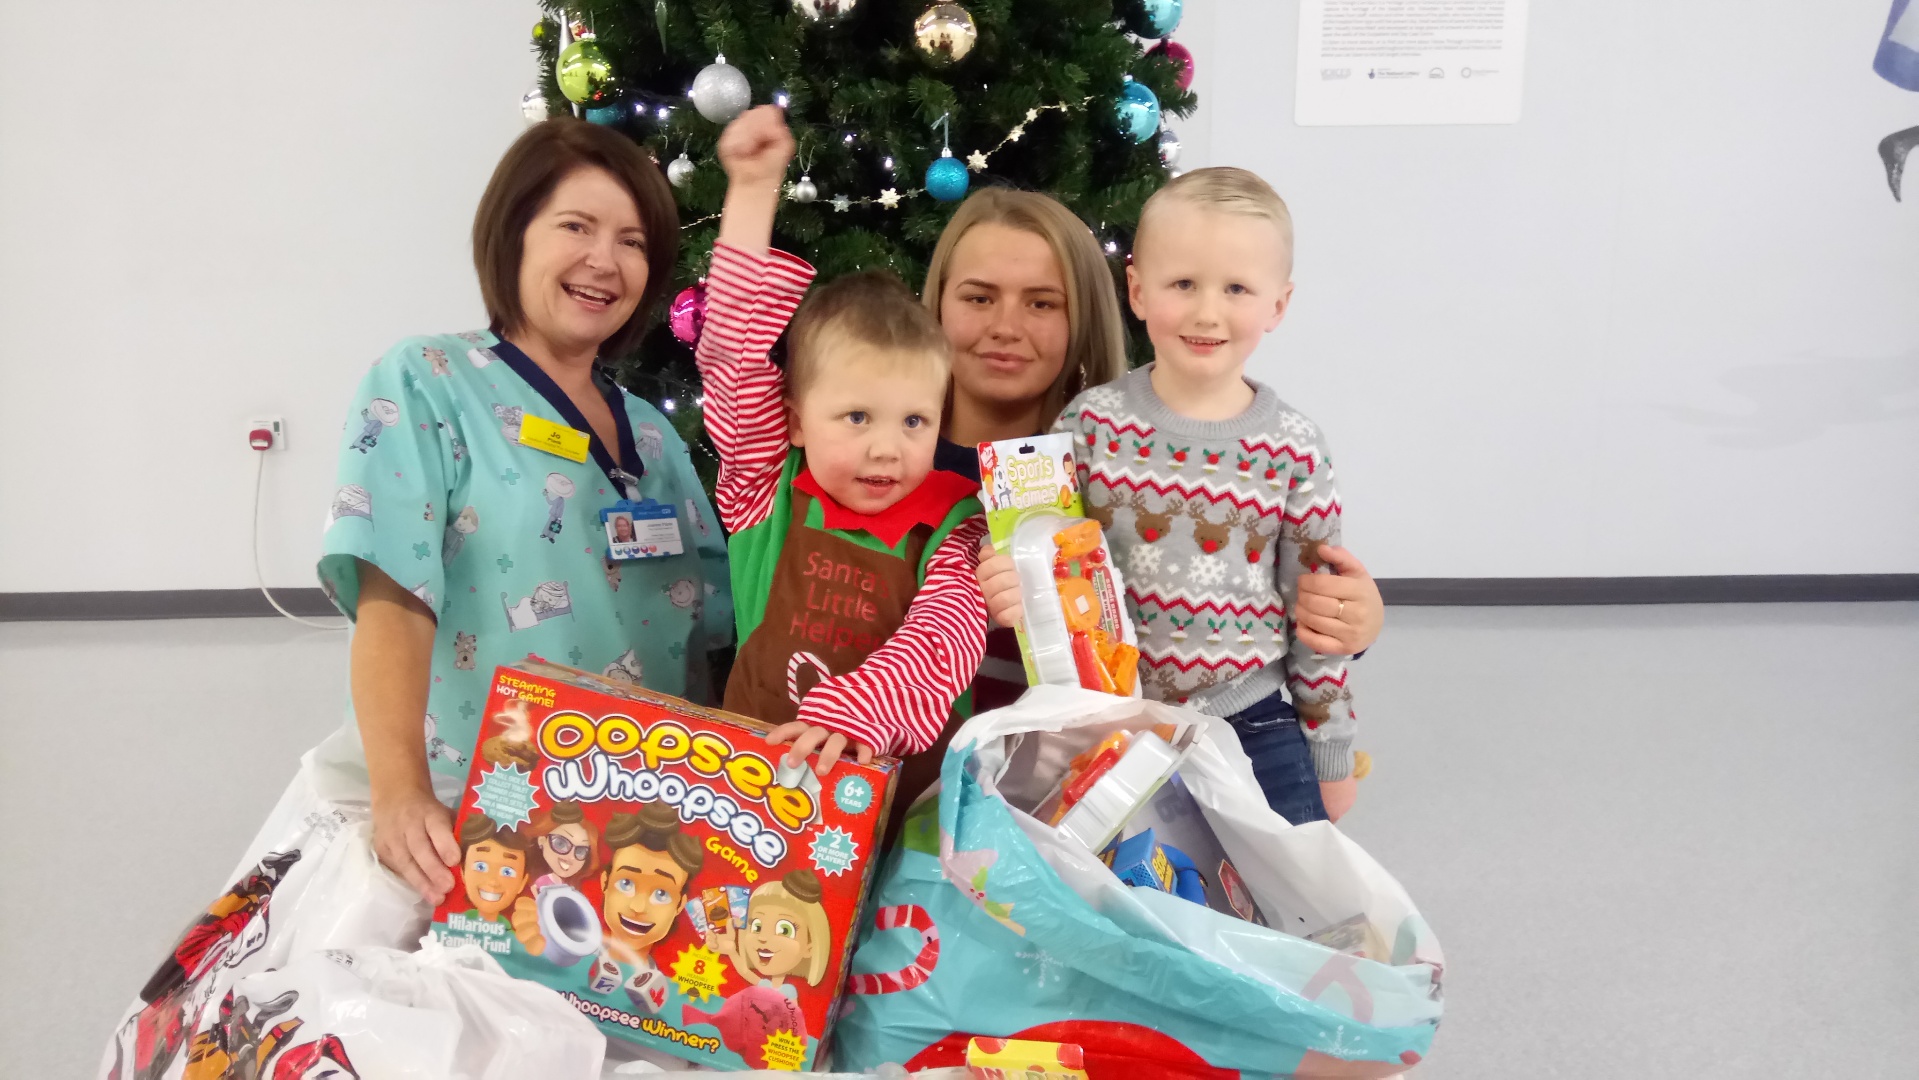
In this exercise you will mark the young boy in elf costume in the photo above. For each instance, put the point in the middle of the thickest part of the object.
(853, 558)
(1228, 498)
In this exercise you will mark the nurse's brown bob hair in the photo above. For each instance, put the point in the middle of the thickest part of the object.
(533, 166)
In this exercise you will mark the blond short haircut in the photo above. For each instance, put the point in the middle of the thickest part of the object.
(1229, 191)
(1095, 336)
(872, 308)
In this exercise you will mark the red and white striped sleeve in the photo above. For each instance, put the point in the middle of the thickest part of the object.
(749, 301)
(897, 702)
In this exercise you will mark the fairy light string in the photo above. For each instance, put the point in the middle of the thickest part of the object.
(978, 161)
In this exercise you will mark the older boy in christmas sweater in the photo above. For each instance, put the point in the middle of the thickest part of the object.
(1217, 496)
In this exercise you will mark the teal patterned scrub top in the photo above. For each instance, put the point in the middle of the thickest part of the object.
(504, 542)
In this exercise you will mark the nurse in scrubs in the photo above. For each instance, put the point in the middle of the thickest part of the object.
(516, 431)
(515, 436)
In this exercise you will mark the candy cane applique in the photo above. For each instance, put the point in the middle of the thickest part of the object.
(911, 917)
(793, 665)
(1342, 971)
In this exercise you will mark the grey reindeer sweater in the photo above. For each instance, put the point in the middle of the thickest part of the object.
(1212, 523)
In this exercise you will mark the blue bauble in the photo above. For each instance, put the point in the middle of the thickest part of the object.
(1137, 111)
(946, 178)
(611, 113)
(1154, 18)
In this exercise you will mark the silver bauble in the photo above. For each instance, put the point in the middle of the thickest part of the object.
(825, 12)
(680, 170)
(533, 104)
(945, 33)
(720, 91)
(1168, 147)
(804, 191)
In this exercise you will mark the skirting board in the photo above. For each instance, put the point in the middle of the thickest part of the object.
(1416, 592)
(159, 604)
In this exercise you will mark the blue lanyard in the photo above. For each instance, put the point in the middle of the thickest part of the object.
(626, 482)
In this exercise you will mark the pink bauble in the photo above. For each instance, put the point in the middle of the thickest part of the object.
(687, 316)
(1182, 58)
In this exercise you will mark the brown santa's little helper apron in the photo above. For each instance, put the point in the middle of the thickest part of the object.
(832, 603)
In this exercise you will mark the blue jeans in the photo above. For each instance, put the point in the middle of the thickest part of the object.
(1282, 762)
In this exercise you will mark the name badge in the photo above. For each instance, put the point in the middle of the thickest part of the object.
(647, 529)
(556, 439)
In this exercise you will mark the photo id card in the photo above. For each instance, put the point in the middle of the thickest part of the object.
(648, 529)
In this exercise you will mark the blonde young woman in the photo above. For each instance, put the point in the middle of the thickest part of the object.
(1029, 305)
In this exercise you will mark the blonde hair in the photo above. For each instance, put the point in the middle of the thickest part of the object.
(803, 896)
(871, 308)
(1229, 191)
(1096, 338)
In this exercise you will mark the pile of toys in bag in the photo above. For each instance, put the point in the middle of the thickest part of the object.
(1096, 888)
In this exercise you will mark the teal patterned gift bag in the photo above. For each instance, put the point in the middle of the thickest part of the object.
(986, 921)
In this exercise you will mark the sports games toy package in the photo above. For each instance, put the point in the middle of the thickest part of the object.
(1075, 631)
(658, 864)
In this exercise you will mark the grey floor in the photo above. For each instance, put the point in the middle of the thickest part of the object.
(1656, 842)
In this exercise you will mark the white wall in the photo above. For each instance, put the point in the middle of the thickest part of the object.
(1669, 323)
(188, 240)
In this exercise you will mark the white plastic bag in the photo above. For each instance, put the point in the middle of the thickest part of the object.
(443, 1013)
(307, 963)
(308, 882)
(1305, 878)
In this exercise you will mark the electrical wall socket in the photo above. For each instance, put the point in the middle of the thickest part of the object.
(273, 424)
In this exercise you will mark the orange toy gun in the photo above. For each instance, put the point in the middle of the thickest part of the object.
(1103, 663)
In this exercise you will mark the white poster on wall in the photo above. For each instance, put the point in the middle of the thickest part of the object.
(1410, 61)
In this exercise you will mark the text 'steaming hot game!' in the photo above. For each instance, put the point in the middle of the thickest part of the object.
(661, 867)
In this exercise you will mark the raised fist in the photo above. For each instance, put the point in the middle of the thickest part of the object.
(756, 147)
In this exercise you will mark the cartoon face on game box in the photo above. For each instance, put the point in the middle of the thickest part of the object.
(661, 867)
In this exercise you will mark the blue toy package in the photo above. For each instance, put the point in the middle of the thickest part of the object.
(1176, 823)
(1142, 862)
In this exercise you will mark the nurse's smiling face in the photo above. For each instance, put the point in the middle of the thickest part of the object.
(582, 263)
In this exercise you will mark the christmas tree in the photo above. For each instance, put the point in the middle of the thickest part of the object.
(1059, 96)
